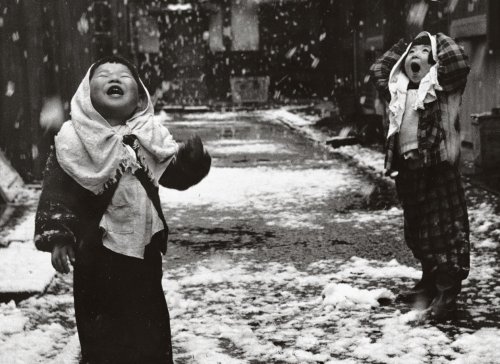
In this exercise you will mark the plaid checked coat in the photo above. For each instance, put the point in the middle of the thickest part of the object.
(436, 225)
(439, 127)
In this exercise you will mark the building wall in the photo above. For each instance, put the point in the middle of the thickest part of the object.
(469, 26)
(45, 50)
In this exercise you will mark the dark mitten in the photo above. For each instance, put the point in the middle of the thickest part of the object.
(190, 166)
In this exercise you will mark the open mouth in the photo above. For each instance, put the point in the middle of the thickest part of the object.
(415, 67)
(115, 90)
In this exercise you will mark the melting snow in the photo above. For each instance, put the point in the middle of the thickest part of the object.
(23, 231)
(274, 312)
(24, 269)
(263, 188)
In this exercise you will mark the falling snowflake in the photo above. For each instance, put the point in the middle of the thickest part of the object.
(290, 53)
(315, 61)
(34, 151)
(11, 88)
(83, 24)
(52, 113)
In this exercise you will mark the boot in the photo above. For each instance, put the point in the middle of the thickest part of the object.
(444, 305)
(423, 292)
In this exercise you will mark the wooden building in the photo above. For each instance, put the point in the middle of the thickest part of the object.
(45, 48)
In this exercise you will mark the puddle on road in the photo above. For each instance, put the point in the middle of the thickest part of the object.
(250, 147)
(246, 136)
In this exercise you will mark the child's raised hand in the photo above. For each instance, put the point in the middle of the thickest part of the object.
(60, 255)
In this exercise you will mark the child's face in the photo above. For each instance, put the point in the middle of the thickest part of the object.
(417, 62)
(114, 92)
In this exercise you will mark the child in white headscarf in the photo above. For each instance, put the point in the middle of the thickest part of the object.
(100, 209)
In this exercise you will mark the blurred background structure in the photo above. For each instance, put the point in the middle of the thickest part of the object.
(219, 53)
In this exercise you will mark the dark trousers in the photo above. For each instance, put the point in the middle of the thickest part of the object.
(120, 307)
(436, 222)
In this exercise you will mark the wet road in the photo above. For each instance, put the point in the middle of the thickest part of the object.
(285, 197)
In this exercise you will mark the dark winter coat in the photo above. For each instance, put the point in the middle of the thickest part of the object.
(68, 213)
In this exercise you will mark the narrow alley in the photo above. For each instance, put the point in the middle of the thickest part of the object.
(288, 252)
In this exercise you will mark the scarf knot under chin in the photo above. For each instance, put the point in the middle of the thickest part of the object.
(92, 152)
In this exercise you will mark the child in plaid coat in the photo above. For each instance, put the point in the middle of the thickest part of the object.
(423, 83)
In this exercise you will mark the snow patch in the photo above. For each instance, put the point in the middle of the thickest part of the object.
(345, 296)
(24, 269)
(23, 231)
(242, 310)
(365, 157)
(478, 347)
(264, 189)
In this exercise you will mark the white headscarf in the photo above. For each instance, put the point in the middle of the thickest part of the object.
(398, 85)
(91, 151)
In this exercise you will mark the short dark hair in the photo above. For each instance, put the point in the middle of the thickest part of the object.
(120, 60)
(424, 40)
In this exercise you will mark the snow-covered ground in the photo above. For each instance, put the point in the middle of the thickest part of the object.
(230, 307)
(22, 267)
(226, 309)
